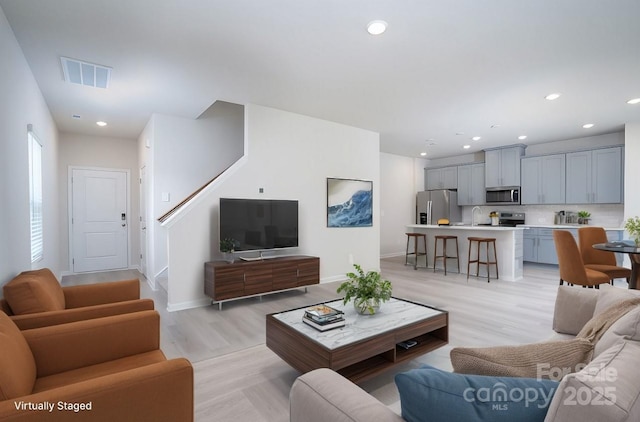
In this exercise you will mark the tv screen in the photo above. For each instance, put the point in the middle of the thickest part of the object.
(258, 224)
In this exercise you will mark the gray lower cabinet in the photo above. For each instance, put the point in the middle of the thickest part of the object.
(539, 246)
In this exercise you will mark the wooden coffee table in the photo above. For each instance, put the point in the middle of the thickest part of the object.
(366, 345)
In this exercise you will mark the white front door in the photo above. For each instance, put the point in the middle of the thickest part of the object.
(99, 220)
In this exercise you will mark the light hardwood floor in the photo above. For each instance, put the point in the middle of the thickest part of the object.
(238, 379)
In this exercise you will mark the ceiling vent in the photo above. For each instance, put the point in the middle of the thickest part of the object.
(83, 73)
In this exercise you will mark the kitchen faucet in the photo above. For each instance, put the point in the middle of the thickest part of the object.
(473, 211)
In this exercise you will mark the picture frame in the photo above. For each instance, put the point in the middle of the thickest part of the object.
(349, 202)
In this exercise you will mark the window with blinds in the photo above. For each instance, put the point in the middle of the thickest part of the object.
(35, 195)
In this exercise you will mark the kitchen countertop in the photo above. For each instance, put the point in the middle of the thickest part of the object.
(567, 226)
(466, 227)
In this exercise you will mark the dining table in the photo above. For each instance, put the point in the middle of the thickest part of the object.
(634, 257)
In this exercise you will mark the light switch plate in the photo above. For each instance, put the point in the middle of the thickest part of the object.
(165, 196)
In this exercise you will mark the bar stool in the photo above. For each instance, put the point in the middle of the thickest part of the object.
(416, 237)
(444, 252)
(480, 241)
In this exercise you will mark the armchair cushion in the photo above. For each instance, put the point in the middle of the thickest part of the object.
(429, 394)
(34, 291)
(573, 309)
(17, 366)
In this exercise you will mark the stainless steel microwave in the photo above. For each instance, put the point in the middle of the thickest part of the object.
(506, 195)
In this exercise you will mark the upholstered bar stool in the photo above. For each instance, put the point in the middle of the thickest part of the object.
(416, 252)
(444, 255)
(479, 241)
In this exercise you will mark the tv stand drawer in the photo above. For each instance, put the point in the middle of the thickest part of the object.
(225, 281)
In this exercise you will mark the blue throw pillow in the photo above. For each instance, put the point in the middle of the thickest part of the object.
(429, 394)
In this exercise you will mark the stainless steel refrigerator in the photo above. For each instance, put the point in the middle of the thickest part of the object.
(433, 205)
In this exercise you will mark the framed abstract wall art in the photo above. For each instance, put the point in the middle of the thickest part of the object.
(349, 203)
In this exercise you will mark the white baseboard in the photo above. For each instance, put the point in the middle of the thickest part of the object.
(333, 278)
(392, 255)
(172, 307)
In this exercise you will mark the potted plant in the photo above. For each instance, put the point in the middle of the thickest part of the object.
(368, 290)
(583, 217)
(633, 227)
(227, 247)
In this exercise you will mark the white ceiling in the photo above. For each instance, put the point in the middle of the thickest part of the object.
(442, 67)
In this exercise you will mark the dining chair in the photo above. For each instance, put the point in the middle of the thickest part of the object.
(572, 269)
(602, 261)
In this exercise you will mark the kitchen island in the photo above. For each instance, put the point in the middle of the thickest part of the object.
(508, 244)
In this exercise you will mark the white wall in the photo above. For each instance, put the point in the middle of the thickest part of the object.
(290, 156)
(22, 104)
(187, 154)
(631, 173)
(93, 151)
(400, 179)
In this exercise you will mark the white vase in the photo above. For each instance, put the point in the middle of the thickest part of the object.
(366, 306)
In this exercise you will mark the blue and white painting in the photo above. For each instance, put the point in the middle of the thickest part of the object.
(349, 203)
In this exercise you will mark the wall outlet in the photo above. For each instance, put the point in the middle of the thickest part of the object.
(165, 196)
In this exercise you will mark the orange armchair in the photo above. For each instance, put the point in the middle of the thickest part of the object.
(35, 299)
(572, 269)
(104, 369)
(594, 259)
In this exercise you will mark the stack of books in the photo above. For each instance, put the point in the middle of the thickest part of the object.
(323, 317)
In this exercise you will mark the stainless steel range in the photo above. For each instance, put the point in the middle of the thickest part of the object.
(510, 219)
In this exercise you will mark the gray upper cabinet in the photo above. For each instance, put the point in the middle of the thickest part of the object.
(442, 178)
(471, 184)
(502, 166)
(594, 177)
(543, 180)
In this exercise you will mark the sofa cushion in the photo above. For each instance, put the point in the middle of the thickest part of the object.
(626, 327)
(34, 291)
(429, 394)
(528, 360)
(605, 390)
(17, 366)
(573, 308)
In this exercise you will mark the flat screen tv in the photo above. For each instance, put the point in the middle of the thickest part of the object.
(259, 224)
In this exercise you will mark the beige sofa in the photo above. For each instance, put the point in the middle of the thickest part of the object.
(323, 395)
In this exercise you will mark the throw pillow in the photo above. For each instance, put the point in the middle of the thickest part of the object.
(429, 394)
(606, 390)
(549, 359)
(626, 327)
(573, 308)
(34, 291)
(610, 295)
(600, 323)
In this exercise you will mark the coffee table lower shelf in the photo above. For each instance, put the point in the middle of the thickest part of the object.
(360, 360)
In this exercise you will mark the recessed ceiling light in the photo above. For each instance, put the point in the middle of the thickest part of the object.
(634, 101)
(466, 146)
(476, 138)
(423, 154)
(522, 137)
(552, 97)
(376, 27)
(588, 126)
(101, 123)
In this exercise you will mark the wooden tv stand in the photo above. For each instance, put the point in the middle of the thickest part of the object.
(225, 281)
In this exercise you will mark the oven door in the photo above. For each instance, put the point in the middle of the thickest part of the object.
(498, 196)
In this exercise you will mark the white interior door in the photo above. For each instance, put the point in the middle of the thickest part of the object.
(99, 220)
(143, 221)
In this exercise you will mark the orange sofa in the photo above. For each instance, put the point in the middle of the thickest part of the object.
(104, 369)
(35, 299)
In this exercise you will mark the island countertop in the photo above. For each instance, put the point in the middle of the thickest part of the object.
(466, 227)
